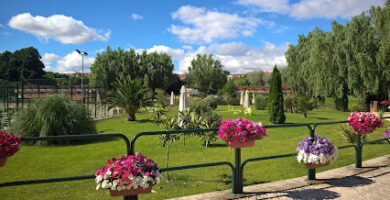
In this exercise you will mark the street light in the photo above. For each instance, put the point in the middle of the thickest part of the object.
(82, 53)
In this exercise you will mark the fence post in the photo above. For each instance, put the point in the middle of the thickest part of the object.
(17, 95)
(311, 173)
(358, 152)
(22, 94)
(237, 176)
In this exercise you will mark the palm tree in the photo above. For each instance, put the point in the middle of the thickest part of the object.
(129, 95)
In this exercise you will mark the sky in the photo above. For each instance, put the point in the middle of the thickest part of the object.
(245, 35)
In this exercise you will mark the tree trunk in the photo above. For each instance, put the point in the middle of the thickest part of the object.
(167, 160)
(130, 117)
(305, 115)
(184, 139)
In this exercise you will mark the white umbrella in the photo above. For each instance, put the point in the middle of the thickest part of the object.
(246, 100)
(242, 98)
(183, 102)
(253, 98)
(172, 100)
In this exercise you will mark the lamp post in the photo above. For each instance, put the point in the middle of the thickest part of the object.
(82, 53)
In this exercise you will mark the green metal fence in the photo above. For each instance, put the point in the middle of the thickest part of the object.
(237, 168)
(17, 95)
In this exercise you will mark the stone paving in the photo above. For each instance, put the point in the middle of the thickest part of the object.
(370, 182)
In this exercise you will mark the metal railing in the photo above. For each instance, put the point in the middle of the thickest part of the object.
(237, 168)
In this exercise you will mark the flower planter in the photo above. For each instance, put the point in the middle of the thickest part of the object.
(130, 192)
(314, 165)
(232, 144)
(2, 161)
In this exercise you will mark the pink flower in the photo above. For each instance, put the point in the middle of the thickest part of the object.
(240, 130)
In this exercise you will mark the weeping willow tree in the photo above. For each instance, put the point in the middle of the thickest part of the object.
(351, 59)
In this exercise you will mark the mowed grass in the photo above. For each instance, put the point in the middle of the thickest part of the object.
(36, 162)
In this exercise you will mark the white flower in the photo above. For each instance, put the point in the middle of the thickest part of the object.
(106, 184)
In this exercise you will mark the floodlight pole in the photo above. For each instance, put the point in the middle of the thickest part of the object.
(83, 53)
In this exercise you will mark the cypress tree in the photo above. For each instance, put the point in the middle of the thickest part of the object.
(275, 99)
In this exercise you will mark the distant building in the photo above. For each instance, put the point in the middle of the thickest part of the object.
(234, 76)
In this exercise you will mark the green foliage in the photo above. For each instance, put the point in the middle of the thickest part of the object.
(290, 103)
(275, 99)
(206, 74)
(53, 116)
(349, 134)
(357, 104)
(200, 107)
(234, 101)
(261, 102)
(158, 112)
(212, 102)
(22, 64)
(228, 90)
(341, 62)
(128, 94)
(155, 70)
(241, 82)
(256, 78)
(161, 98)
(304, 105)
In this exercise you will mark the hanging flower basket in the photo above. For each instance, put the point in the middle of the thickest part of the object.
(316, 152)
(364, 122)
(131, 192)
(128, 175)
(9, 145)
(239, 133)
(314, 165)
(233, 144)
(3, 160)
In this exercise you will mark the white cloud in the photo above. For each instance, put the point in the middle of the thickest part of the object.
(238, 57)
(314, 8)
(136, 17)
(280, 6)
(205, 26)
(59, 27)
(48, 59)
(331, 8)
(174, 53)
(233, 48)
(72, 63)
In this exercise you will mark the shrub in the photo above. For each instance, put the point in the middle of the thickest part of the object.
(53, 116)
(199, 107)
(356, 105)
(234, 101)
(261, 102)
(212, 102)
(349, 134)
(304, 105)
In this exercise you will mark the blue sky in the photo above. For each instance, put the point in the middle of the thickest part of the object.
(244, 34)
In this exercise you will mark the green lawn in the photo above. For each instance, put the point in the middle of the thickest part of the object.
(34, 162)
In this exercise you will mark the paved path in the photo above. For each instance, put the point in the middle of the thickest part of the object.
(370, 182)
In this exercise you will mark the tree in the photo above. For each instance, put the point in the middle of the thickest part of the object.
(168, 123)
(154, 69)
(128, 94)
(175, 85)
(22, 64)
(206, 74)
(256, 78)
(241, 82)
(228, 90)
(159, 71)
(275, 99)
